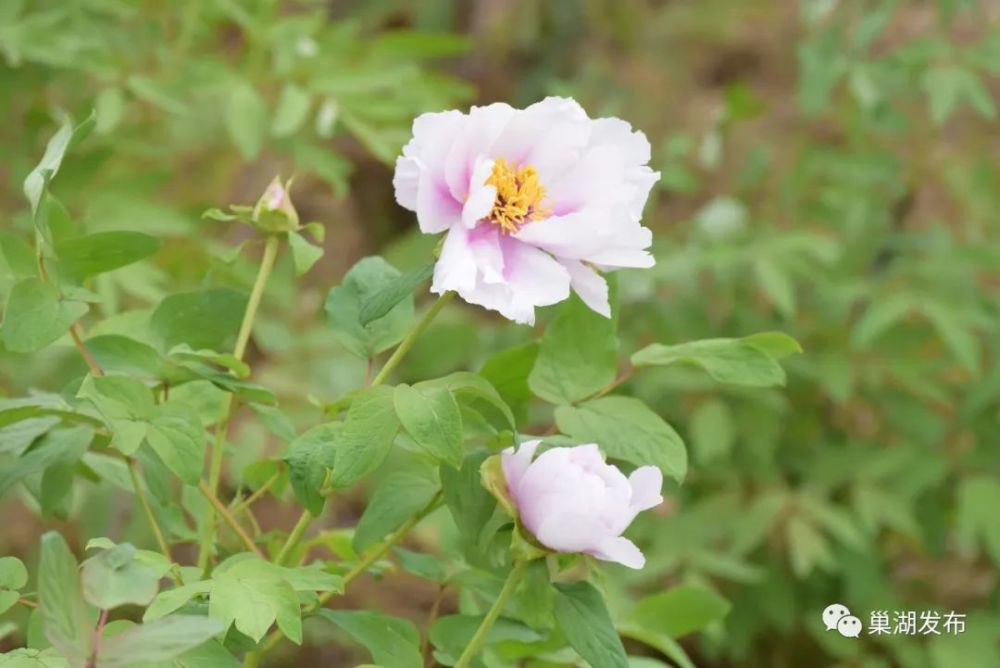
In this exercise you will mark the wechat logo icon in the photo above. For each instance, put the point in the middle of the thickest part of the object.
(837, 617)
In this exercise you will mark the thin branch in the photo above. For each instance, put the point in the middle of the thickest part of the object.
(230, 520)
(76, 333)
(140, 494)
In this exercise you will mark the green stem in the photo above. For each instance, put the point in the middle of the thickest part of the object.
(293, 538)
(407, 343)
(161, 540)
(222, 426)
(491, 617)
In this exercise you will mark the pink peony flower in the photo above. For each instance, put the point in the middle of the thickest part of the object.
(533, 201)
(572, 501)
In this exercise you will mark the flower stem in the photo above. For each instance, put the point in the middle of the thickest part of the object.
(404, 347)
(491, 617)
(222, 426)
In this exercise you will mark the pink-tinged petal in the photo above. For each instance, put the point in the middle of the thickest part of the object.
(473, 143)
(535, 277)
(486, 246)
(646, 483)
(456, 267)
(590, 285)
(433, 134)
(481, 196)
(437, 210)
(516, 462)
(405, 181)
(621, 550)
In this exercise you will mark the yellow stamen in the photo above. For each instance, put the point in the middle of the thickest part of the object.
(519, 196)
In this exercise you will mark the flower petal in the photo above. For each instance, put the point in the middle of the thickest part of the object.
(621, 550)
(516, 462)
(590, 285)
(647, 483)
(472, 143)
(481, 196)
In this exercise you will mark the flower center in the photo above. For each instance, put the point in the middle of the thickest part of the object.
(519, 196)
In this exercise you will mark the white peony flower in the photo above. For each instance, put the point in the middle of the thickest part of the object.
(533, 201)
(572, 501)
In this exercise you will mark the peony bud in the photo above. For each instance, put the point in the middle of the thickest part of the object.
(274, 211)
(572, 501)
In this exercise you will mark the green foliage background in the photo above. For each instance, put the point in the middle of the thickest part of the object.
(829, 170)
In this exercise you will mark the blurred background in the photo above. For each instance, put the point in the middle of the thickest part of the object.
(829, 168)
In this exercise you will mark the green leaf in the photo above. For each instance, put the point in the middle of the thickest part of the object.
(202, 319)
(64, 615)
(101, 252)
(451, 634)
(344, 303)
(394, 500)
(426, 566)
(430, 415)
(366, 438)
(59, 446)
(170, 600)
(508, 372)
(680, 611)
(228, 361)
(776, 345)
(246, 118)
(470, 504)
(571, 366)
(304, 254)
(114, 578)
(976, 523)
(292, 111)
(160, 640)
(252, 597)
(383, 300)
(745, 361)
(469, 389)
(35, 316)
(13, 576)
(178, 438)
(33, 658)
(949, 85)
(276, 422)
(55, 151)
(393, 642)
(310, 457)
(807, 547)
(583, 617)
(114, 352)
(126, 406)
(628, 430)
